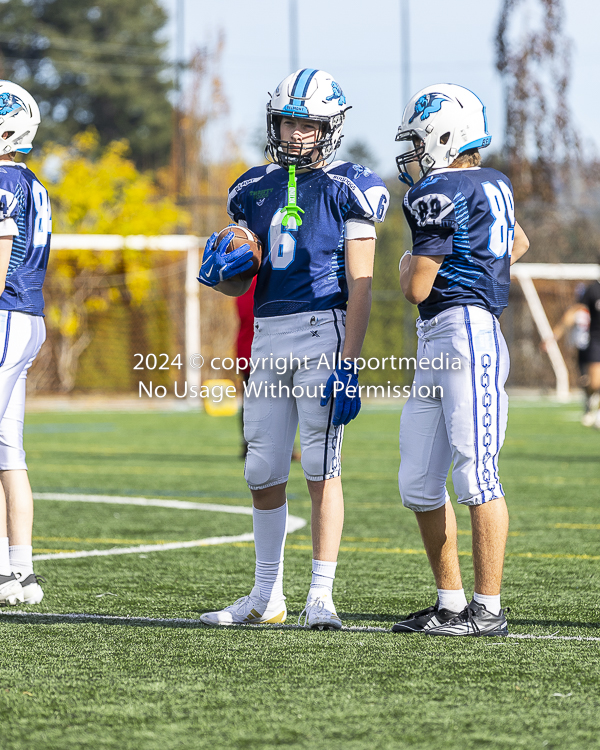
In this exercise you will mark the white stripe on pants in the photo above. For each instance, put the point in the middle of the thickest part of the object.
(462, 423)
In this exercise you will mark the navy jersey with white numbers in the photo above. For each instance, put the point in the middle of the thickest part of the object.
(25, 200)
(303, 268)
(468, 216)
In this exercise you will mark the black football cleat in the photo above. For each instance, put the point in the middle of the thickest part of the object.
(474, 620)
(424, 620)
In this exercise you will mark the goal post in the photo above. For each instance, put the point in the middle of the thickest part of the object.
(181, 243)
(525, 274)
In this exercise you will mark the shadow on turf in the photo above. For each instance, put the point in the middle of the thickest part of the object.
(361, 617)
(142, 622)
(135, 622)
(345, 616)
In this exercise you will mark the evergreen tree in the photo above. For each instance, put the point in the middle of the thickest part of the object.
(93, 63)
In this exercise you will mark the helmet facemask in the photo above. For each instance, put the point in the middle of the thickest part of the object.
(415, 155)
(288, 153)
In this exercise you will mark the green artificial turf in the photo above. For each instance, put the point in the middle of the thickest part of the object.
(135, 683)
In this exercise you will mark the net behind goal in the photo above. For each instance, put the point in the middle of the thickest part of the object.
(540, 295)
(124, 310)
(110, 298)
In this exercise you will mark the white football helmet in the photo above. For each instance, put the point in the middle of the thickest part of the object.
(441, 122)
(19, 115)
(313, 95)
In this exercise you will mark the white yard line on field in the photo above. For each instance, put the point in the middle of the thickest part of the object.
(294, 524)
(167, 622)
(187, 622)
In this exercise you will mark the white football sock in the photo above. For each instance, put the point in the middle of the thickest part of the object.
(21, 559)
(454, 600)
(270, 529)
(4, 557)
(491, 603)
(323, 574)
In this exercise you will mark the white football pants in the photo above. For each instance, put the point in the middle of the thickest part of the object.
(271, 418)
(462, 423)
(21, 337)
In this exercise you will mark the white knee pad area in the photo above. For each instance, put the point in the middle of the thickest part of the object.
(282, 397)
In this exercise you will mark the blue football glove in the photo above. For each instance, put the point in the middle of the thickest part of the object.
(217, 265)
(343, 387)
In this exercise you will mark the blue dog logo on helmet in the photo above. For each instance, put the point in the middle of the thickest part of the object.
(428, 104)
(337, 94)
(9, 102)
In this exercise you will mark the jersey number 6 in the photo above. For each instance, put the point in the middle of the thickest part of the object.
(282, 242)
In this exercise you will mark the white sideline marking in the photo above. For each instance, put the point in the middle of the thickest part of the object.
(294, 524)
(147, 547)
(553, 637)
(118, 619)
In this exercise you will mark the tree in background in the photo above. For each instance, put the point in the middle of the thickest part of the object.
(533, 57)
(95, 190)
(556, 193)
(206, 161)
(93, 63)
(358, 151)
(556, 185)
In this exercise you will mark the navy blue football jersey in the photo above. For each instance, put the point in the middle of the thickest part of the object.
(25, 200)
(467, 215)
(303, 268)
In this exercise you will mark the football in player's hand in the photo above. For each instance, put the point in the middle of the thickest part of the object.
(242, 236)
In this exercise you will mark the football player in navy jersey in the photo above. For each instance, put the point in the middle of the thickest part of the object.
(465, 237)
(315, 220)
(25, 226)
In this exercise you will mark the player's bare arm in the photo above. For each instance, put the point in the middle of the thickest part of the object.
(5, 251)
(568, 320)
(360, 256)
(521, 244)
(417, 274)
(565, 324)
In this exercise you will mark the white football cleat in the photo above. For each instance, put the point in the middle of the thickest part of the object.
(319, 613)
(32, 591)
(249, 609)
(11, 590)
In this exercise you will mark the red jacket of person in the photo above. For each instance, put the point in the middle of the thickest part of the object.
(245, 309)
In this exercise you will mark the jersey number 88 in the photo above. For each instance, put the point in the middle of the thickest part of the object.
(502, 207)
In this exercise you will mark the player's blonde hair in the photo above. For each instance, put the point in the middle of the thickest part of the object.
(470, 158)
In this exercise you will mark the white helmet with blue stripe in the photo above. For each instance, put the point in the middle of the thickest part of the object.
(442, 122)
(313, 95)
(19, 116)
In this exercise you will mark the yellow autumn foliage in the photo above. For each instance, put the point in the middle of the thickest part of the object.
(100, 192)
(96, 190)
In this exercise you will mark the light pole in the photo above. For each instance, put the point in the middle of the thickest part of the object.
(408, 314)
(293, 22)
